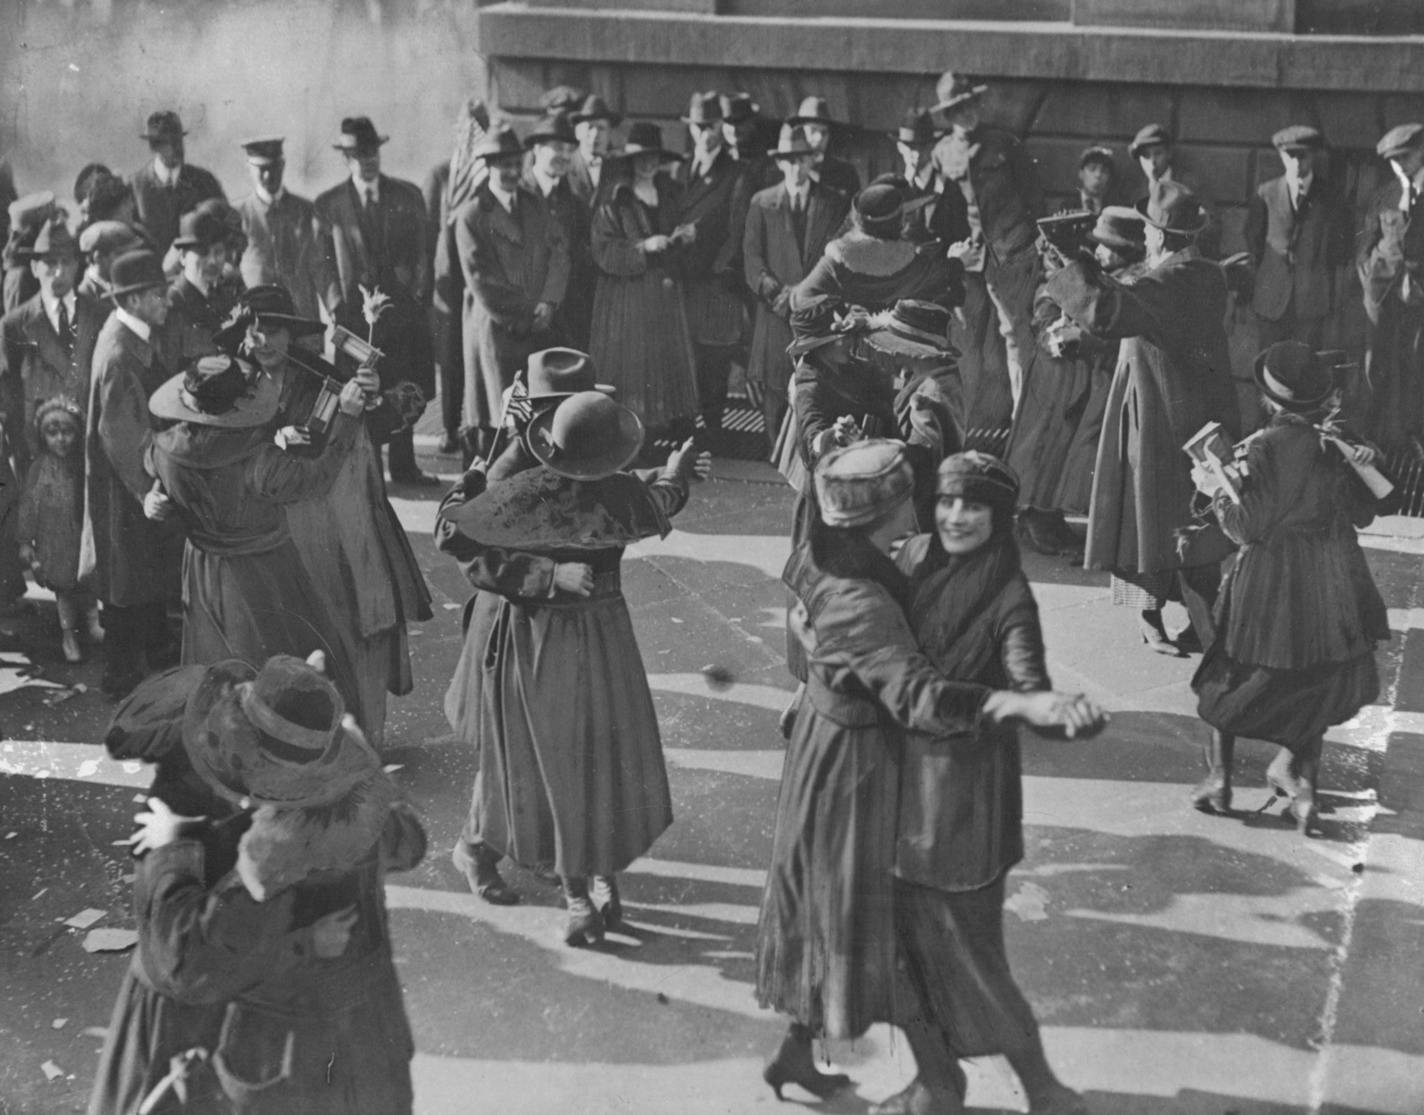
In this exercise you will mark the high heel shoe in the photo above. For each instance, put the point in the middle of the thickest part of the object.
(1212, 795)
(1156, 639)
(603, 892)
(793, 1064)
(479, 865)
(584, 925)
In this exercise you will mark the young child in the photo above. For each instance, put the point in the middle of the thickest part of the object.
(52, 517)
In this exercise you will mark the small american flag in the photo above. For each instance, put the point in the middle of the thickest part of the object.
(467, 172)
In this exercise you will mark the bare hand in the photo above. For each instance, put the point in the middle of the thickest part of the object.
(1365, 454)
(655, 244)
(685, 234)
(158, 827)
(368, 378)
(1075, 713)
(331, 933)
(30, 560)
(847, 431)
(1203, 479)
(352, 399)
(292, 437)
(961, 249)
(574, 577)
(543, 317)
(156, 504)
(687, 464)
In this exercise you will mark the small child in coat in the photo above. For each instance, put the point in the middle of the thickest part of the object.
(52, 519)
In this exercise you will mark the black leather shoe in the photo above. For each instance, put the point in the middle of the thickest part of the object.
(603, 893)
(479, 866)
(449, 443)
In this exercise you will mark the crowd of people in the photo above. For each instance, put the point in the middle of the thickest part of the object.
(195, 427)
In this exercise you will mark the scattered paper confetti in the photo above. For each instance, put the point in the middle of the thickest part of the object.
(453, 607)
(84, 919)
(88, 768)
(391, 768)
(100, 1032)
(59, 1024)
(52, 1071)
(110, 940)
(11, 835)
(39, 893)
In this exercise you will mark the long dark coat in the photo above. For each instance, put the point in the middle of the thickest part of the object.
(576, 311)
(193, 318)
(1390, 245)
(712, 285)
(1298, 254)
(1173, 376)
(511, 263)
(159, 208)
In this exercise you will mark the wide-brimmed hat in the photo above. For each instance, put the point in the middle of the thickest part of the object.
(32, 210)
(54, 240)
(1119, 227)
(813, 110)
(704, 109)
(860, 483)
(199, 230)
(1299, 137)
(270, 304)
(912, 328)
(586, 437)
(108, 236)
(556, 373)
(359, 134)
(980, 477)
(1172, 207)
(917, 128)
(738, 108)
(274, 736)
(1146, 136)
(264, 151)
(216, 391)
(595, 107)
(645, 137)
(955, 89)
(555, 126)
(1399, 140)
(791, 143)
(134, 271)
(163, 127)
(1295, 375)
(500, 142)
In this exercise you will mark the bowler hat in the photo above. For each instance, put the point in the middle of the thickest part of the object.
(1146, 136)
(556, 373)
(199, 230)
(359, 134)
(813, 110)
(163, 127)
(586, 437)
(859, 484)
(561, 98)
(880, 205)
(595, 107)
(1298, 137)
(791, 143)
(917, 128)
(1096, 154)
(645, 137)
(500, 142)
(32, 211)
(954, 90)
(1400, 139)
(109, 236)
(264, 151)
(1119, 227)
(1294, 375)
(704, 109)
(216, 391)
(135, 271)
(912, 328)
(53, 240)
(555, 126)
(738, 108)
(267, 304)
(980, 477)
(1172, 207)
(274, 736)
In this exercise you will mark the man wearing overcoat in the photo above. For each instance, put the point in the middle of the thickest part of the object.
(284, 243)
(552, 144)
(169, 186)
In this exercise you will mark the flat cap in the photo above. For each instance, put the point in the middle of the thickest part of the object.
(109, 236)
(263, 151)
(1147, 136)
(32, 210)
(1298, 137)
(1399, 139)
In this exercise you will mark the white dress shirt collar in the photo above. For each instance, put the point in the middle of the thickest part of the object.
(135, 325)
(547, 183)
(506, 200)
(166, 177)
(368, 191)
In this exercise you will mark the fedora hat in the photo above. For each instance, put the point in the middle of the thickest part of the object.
(1119, 227)
(134, 271)
(561, 98)
(738, 108)
(955, 89)
(912, 328)
(555, 126)
(595, 107)
(500, 142)
(358, 134)
(216, 391)
(163, 127)
(1399, 140)
(109, 236)
(267, 304)
(1172, 207)
(980, 477)
(645, 137)
(53, 241)
(1295, 375)
(556, 373)
(791, 143)
(859, 484)
(274, 736)
(704, 109)
(32, 211)
(586, 437)
(264, 151)
(812, 110)
(1147, 136)
(199, 230)
(917, 128)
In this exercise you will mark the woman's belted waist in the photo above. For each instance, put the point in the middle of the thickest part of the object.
(845, 709)
(239, 545)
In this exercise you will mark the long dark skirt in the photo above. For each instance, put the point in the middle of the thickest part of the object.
(826, 936)
(952, 945)
(1290, 707)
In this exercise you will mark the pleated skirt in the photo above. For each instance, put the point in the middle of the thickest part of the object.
(640, 343)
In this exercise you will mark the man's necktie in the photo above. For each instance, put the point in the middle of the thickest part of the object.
(66, 332)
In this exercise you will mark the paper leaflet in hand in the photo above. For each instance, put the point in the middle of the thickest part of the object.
(1211, 449)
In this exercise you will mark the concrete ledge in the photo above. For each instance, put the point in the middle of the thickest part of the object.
(901, 46)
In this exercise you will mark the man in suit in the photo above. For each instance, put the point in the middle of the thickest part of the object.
(132, 563)
(593, 124)
(515, 262)
(787, 229)
(194, 311)
(100, 244)
(168, 187)
(374, 237)
(48, 342)
(284, 245)
(1299, 236)
(1156, 155)
(1390, 261)
(713, 286)
(551, 145)
(1097, 174)
(814, 118)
